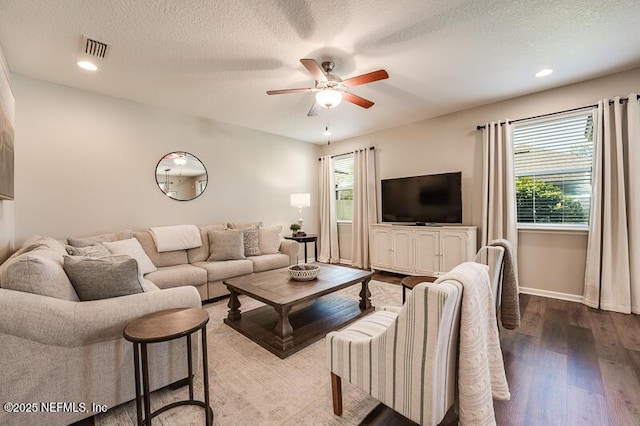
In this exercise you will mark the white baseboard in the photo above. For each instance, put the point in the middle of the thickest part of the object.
(551, 294)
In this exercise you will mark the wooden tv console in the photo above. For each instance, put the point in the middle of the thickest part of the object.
(421, 250)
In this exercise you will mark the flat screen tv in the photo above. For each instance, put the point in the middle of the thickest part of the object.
(423, 199)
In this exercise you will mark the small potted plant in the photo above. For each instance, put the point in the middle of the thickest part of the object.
(294, 229)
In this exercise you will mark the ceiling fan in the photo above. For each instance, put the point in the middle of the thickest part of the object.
(331, 89)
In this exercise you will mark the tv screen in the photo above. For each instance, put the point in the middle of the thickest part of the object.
(428, 198)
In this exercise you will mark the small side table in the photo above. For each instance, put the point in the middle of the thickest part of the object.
(309, 238)
(413, 280)
(163, 326)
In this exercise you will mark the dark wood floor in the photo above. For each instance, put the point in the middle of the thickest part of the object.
(566, 365)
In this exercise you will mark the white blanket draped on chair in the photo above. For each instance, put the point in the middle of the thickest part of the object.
(481, 374)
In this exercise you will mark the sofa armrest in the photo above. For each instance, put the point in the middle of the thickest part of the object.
(291, 248)
(65, 323)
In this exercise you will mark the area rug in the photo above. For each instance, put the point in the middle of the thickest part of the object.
(251, 386)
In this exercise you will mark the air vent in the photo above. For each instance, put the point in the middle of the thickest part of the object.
(93, 47)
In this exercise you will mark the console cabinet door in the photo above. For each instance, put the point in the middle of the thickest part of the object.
(453, 249)
(427, 252)
(402, 250)
(381, 248)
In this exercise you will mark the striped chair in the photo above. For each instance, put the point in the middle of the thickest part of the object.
(404, 357)
(493, 256)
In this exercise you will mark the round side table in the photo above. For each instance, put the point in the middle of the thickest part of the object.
(411, 281)
(163, 326)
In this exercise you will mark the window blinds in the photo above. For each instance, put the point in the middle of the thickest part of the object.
(552, 162)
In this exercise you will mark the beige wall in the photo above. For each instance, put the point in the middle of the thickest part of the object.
(85, 163)
(7, 219)
(547, 261)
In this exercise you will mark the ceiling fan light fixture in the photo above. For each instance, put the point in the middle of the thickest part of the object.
(328, 98)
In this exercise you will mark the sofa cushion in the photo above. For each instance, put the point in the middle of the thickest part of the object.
(270, 239)
(33, 243)
(243, 225)
(132, 247)
(103, 278)
(169, 258)
(177, 275)
(39, 272)
(200, 254)
(89, 241)
(226, 245)
(224, 269)
(96, 250)
(266, 262)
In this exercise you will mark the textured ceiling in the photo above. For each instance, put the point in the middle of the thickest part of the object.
(216, 59)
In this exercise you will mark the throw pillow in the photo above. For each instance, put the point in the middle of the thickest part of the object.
(103, 278)
(97, 250)
(251, 238)
(226, 245)
(243, 225)
(90, 241)
(132, 247)
(270, 239)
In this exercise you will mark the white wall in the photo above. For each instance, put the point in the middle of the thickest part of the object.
(85, 164)
(552, 262)
(7, 220)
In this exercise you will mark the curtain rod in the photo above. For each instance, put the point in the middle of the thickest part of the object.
(371, 148)
(622, 100)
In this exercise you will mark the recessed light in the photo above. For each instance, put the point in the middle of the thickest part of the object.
(543, 73)
(90, 66)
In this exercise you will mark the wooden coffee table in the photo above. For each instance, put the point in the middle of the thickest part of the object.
(298, 313)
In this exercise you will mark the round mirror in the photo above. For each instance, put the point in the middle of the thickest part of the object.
(181, 176)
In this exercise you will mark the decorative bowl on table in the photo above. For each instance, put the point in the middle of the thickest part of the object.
(304, 272)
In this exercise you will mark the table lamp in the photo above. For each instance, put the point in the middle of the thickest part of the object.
(300, 201)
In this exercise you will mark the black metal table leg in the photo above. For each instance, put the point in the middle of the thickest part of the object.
(145, 386)
(205, 377)
(136, 372)
(190, 366)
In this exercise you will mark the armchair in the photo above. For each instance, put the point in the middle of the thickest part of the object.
(404, 357)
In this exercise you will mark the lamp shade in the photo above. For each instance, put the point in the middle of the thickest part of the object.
(300, 200)
(328, 98)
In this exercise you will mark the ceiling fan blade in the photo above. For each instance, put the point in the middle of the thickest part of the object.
(283, 91)
(315, 110)
(366, 78)
(355, 99)
(316, 71)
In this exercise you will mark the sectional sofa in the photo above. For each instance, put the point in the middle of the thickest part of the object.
(55, 348)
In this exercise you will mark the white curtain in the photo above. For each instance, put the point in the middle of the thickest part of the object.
(499, 218)
(612, 276)
(328, 226)
(364, 205)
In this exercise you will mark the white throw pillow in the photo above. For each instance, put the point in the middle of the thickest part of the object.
(270, 239)
(132, 247)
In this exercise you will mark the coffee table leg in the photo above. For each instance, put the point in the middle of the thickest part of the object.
(234, 307)
(365, 294)
(284, 330)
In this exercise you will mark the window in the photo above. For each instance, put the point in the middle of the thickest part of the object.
(552, 162)
(343, 176)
